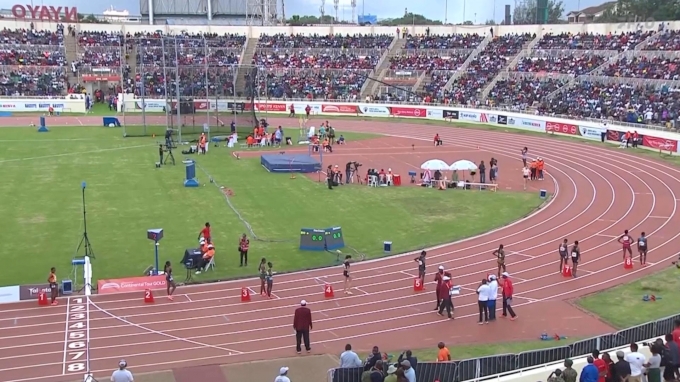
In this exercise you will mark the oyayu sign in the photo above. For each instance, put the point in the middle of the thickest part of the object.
(45, 12)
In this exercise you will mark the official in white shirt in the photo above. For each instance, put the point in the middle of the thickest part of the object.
(483, 302)
(283, 375)
(348, 358)
(122, 374)
(493, 295)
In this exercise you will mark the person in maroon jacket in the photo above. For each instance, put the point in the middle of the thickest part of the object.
(446, 302)
(439, 279)
(302, 323)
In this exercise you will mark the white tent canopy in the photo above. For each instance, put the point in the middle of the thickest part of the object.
(463, 165)
(434, 165)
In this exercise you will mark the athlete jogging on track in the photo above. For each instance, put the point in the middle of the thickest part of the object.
(626, 241)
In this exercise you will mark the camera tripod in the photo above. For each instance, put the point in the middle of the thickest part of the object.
(354, 174)
(85, 240)
(168, 156)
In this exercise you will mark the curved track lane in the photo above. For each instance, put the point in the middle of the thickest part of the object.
(598, 193)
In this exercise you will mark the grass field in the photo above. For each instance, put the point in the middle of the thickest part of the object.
(622, 306)
(126, 195)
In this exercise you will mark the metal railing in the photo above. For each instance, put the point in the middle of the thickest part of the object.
(496, 366)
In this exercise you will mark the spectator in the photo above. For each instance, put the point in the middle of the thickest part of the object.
(122, 374)
(622, 367)
(611, 368)
(391, 374)
(671, 368)
(373, 358)
(409, 372)
(400, 375)
(653, 366)
(283, 375)
(600, 364)
(636, 360)
(589, 372)
(556, 376)
(569, 374)
(374, 374)
(408, 355)
(348, 358)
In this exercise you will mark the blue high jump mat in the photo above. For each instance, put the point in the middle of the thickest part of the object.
(290, 163)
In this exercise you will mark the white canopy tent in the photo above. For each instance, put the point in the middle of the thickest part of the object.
(434, 165)
(463, 165)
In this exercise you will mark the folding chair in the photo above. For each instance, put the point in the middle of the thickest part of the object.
(210, 265)
(372, 181)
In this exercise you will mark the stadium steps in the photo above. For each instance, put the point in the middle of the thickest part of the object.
(131, 60)
(463, 68)
(505, 71)
(420, 83)
(71, 52)
(245, 64)
(371, 87)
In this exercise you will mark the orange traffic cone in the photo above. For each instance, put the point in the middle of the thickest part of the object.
(417, 285)
(328, 291)
(148, 296)
(628, 263)
(42, 298)
(566, 271)
(245, 294)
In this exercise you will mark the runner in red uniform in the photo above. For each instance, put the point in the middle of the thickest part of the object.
(626, 241)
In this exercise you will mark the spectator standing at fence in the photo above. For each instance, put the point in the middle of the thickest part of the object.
(122, 374)
(373, 358)
(611, 368)
(374, 374)
(391, 374)
(409, 372)
(302, 323)
(283, 375)
(556, 376)
(349, 358)
(443, 355)
(508, 291)
(671, 371)
(653, 366)
(676, 332)
(636, 361)
(569, 374)
(408, 355)
(589, 373)
(600, 364)
(621, 367)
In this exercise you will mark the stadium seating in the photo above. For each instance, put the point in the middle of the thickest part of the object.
(314, 84)
(32, 81)
(588, 41)
(192, 82)
(521, 93)
(564, 62)
(281, 41)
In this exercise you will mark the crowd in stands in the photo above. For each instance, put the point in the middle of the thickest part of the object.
(617, 101)
(358, 41)
(153, 82)
(313, 84)
(481, 70)
(321, 60)
(566, 63)
(654, 67)
(32, 81)
(588, 41)
(668, 40)
(521, 93)
(455, 41)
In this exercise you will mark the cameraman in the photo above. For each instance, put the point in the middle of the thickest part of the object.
(168, 137)
(349, 173)
(160, 155)
(329, 177)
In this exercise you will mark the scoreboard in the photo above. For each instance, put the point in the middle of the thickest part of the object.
(327, 239)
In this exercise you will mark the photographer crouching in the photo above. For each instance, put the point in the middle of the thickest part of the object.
(352, 170)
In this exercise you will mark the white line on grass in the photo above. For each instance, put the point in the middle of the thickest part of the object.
(72, 154)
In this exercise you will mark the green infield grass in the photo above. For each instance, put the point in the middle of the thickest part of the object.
(125, 196)
(622, 306)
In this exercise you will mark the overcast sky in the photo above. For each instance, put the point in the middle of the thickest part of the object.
(479, 10)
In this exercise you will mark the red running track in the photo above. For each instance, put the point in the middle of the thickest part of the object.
(599, 192)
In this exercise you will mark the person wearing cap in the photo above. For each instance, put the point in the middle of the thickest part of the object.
(493, 295)
(569, 374)
(444, 293)
(439, 279)
(508, 290)
(556, 376)
(421, 267)
(621, 367)
(409, 372)
(122, 374)
(283, 375)
(391, 374)
(302, 323)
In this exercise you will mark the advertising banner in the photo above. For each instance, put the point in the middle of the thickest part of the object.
(591, 132)
(564, 128)
(468, 116)
(378, 111)
(300, 108)
(130, 284)
(275, 107)
(35, 105)
(9, 294)
(659, 143)
(527, 124)
(152, 106)
(409, 112)
(488, 118)
(30, 292)
(613, 135)
(435, 113)
(450, 114)
(502, 119)
(339, 109)
(100, 77)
